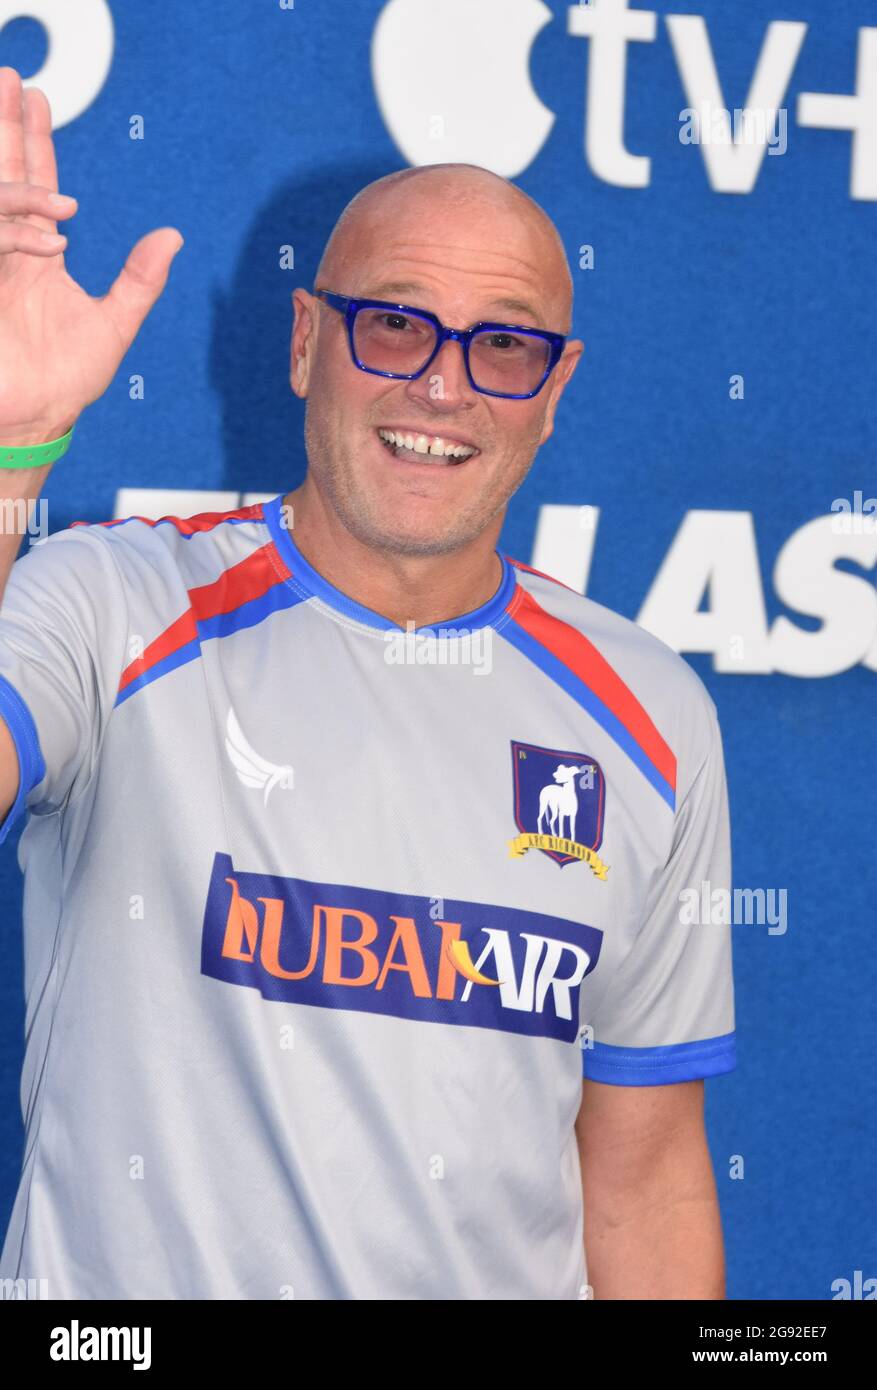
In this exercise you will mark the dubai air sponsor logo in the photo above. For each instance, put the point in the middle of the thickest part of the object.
(559, 804)
(343, 947)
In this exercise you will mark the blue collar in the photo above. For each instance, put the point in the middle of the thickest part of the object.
(308, 578)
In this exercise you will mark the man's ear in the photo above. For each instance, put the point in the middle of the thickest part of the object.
(304, 330)
(559, 378)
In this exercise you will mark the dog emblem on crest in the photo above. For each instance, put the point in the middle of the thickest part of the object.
(559, 804)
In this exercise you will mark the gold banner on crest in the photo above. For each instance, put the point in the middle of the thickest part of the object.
(531, 840)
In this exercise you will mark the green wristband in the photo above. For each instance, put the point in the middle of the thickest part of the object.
(33, 455)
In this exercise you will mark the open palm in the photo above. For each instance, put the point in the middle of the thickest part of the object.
(59, 346)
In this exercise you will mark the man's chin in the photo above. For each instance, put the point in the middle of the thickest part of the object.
(404, 527)
(411, 542)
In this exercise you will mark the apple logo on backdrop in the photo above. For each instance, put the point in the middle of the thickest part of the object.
(452, 81)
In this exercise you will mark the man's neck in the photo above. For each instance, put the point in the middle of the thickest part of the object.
(421, 589)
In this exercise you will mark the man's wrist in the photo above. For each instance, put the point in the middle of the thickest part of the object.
(36, 454)
(34, 435)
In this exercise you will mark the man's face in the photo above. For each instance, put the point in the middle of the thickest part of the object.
(464, 271)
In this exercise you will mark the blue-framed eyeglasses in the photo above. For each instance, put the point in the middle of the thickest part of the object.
(396, 340)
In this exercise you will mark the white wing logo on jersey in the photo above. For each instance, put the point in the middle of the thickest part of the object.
(252, 769)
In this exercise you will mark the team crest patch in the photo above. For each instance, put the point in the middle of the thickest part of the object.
(560, 798)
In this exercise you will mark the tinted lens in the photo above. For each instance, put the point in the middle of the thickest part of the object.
(388, 341)
(513, 363)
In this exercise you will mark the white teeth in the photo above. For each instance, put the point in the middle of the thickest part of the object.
(426, 444)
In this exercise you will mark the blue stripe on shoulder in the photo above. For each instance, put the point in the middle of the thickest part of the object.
(248, 614)
(570, 682)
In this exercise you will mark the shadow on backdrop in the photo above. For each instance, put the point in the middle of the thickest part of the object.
(252, 324)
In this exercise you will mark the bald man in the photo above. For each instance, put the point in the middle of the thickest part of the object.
(354, 852)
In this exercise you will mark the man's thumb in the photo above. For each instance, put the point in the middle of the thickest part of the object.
(141, 280)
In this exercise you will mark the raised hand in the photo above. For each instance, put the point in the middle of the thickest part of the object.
(59, 346)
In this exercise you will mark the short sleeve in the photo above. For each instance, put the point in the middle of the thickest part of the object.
(63, 638)
(668, 1013)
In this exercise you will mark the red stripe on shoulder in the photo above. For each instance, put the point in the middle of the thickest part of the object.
(248, 579)
(205, 521)
(181, 631)
(540, 574)
(188, 525)
(582, 658)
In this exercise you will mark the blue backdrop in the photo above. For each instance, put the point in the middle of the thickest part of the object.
(724, 403)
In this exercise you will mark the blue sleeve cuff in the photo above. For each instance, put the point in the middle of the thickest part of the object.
(31, 765)
(658, 1066)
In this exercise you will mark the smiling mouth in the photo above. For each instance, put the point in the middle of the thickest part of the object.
(425, 448)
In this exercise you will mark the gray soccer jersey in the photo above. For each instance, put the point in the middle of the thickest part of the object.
(325, 918)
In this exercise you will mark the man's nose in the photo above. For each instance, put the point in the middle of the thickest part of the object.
(445, 379)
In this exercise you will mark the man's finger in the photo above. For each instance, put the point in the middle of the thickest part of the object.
(33, 241)
(39, 147)
(12, 166)
(26, 200)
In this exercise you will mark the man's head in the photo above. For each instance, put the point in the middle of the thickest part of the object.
(469, 246)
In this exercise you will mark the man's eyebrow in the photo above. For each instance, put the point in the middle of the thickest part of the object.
(410, 287)
(393, 287)
(516, 306)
